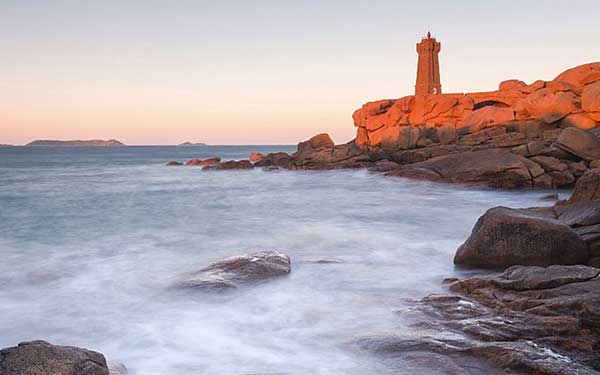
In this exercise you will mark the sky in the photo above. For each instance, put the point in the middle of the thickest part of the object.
(259, 72)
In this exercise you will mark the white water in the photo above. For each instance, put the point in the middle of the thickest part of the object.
(88, 250)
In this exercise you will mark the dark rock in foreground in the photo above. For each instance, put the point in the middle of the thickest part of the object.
(504, 237)
(238, 270)
(42, 358)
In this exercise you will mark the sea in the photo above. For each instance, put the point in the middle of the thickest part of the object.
(93, 239)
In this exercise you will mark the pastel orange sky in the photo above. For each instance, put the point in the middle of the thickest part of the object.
(260, 72)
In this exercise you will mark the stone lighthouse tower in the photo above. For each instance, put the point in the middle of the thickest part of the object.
(428, 68)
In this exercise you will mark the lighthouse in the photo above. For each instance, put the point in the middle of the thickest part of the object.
(428, 68)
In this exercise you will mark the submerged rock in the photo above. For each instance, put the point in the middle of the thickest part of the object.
(43, 358)
(174, 164)
(238, 271)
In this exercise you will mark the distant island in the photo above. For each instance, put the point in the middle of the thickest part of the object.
(76, 143)
(187, 144)
(3, 145)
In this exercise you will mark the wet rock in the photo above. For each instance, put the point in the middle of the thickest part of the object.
(527, 319)
(580, 143)
(505, 237)
(383, 166)
(529, 278)
(335, 157)
(238, 271)
(492, 167)
(43, 358)
(229, 165)
(277, 159)
(174, 164)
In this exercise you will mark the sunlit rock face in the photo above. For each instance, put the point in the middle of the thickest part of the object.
(572, 99)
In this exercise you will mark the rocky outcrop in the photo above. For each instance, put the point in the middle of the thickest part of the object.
(571, 99)
(174, 164)
(319, 153)
(277, 159)
(42, 358)
(504, 237)
(494, 167)
(238, 271)
(202, 163)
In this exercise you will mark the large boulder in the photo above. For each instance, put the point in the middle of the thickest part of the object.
(580, 143)
(43, 358)
(492, 167)
(237, 271)
(504, 237)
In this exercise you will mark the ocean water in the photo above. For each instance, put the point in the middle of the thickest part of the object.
(92, 238)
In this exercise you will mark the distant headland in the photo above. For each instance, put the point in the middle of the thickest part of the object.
(189, 144)
(76, 143)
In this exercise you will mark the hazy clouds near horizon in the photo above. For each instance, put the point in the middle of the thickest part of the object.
(152, 72)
